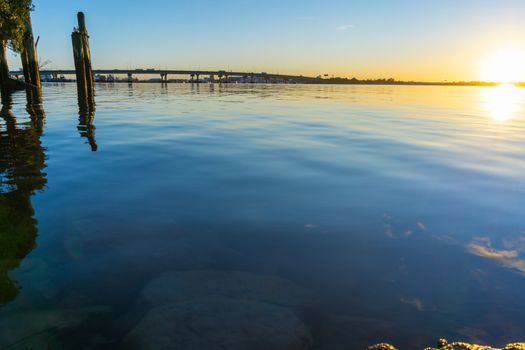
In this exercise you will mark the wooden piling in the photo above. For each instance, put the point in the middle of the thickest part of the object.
(87, 58)
(29, 56)
(7, 84)
(83, 69)
(4, 75)
(4, 67)
(78, 55)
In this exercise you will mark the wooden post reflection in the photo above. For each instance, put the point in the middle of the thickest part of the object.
(86, 127)
(22, 163)
(35, 108)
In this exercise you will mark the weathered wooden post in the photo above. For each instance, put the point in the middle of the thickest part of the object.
(87, 58)
(7, 84)
(84, 72)
(29, 55)
(4, 74)
(4, 67)
(78, 55)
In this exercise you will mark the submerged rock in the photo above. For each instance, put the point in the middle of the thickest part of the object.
(44, 340)
(220, 323)
(182, 286)
(39, 329)
(221, 310)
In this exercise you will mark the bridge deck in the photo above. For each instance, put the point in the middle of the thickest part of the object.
(167, 72)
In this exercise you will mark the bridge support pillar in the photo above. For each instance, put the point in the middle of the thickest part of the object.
(212, 78)
(130, 77)
(198, 77)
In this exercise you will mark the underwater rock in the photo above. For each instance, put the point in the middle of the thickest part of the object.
(217, 322)
(38, 329)
(221, 310)
(44, 340)
(180, 286)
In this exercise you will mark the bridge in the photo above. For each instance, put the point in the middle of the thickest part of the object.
(194, 74)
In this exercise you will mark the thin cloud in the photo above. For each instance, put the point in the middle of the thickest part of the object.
(345, 27)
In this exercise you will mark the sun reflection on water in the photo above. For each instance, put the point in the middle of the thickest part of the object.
(502, 102)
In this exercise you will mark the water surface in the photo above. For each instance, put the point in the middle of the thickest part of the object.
(346, 215)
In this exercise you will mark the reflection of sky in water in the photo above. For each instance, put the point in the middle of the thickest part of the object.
(399, 208)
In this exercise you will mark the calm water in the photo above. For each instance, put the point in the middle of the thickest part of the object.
(263, 217)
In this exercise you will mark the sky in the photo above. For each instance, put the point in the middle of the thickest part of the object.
(426, 40)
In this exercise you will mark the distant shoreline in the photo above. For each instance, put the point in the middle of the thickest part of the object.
(370, 83)
(209, 77)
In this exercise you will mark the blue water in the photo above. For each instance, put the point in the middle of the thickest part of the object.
(391, 213)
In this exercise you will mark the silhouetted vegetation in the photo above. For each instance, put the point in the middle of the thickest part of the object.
(13, 17)
(14, 33)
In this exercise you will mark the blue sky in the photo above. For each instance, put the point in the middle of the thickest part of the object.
(404, 39)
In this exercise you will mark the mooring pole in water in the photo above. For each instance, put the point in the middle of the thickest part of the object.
(78, 55)
(29, 56)
(82, 57)
(4, 67)
(87, 58)
(7, 84)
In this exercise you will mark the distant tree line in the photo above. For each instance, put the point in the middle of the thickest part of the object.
(392, 81)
